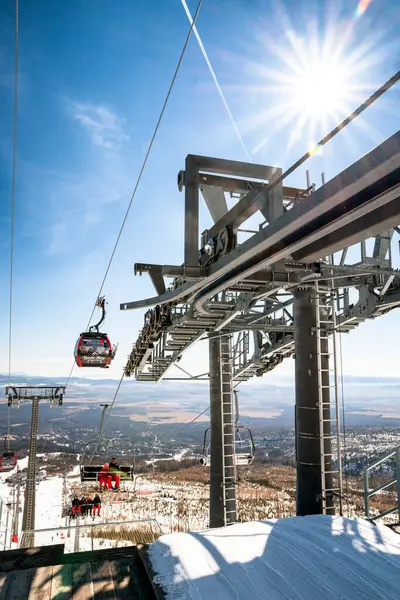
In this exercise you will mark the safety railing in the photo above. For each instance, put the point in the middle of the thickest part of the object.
(393, 481)
(6, 526)
(96, 536)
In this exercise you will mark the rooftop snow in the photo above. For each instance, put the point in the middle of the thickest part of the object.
(298, 558)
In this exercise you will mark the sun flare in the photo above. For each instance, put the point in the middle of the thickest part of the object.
(310, 80)
(321, 88)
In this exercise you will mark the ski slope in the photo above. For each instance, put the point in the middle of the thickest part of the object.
(298, 558)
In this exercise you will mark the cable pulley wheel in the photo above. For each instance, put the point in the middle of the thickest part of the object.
(225, 241)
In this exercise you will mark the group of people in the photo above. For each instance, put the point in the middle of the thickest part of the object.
(85, 506)
(110, 473)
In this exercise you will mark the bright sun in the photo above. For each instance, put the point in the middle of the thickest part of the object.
(309, 81)
(321, 89)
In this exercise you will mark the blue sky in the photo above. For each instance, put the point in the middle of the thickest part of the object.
(93, 77)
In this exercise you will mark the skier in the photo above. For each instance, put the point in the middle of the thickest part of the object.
(75, 506)
(97, 505)
(114, 471)
(114, 464)
(83, 507)
(89, 506)
(105, 477)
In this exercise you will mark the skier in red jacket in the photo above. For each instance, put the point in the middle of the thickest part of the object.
(105, 477)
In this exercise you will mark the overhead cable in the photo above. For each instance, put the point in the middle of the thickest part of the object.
(14, 168)
(133, 195)
(217, 85)
(143, 166)
(384, 88)
(195, 419)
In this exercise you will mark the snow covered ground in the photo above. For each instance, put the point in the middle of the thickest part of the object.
(48, 500)
(48, 503)
(298, 558)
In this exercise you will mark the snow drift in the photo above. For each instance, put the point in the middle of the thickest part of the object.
(297, 558)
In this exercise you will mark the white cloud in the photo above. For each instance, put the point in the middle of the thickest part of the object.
(76, 203)
(104, 127)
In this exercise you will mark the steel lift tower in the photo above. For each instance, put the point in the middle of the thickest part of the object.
(282, 290)
(15, 394)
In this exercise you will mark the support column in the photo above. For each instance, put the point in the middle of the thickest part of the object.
(223, 468)
(191, 212)
(308, 448)
(28, 519)
(16, 509)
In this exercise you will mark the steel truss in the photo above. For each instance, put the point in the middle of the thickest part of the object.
(251, 306)
(243, 285)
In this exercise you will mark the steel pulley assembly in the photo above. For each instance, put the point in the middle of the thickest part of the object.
(215, 247)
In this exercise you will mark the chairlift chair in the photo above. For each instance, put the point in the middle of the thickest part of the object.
(93, 348)
(241, 458)
(90, 472)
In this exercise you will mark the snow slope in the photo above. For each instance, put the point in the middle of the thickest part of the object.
(48, 503)
(298, 558)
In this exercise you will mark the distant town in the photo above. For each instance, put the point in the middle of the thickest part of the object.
(148, 445)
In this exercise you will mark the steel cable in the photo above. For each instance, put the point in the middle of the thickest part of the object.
(133, 196)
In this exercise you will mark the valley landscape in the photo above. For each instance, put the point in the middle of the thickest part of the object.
(161, 421)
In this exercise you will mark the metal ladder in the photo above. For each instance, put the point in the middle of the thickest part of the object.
(229, 468)
(328, 398)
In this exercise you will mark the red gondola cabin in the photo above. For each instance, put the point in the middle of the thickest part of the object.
(93, 350)
(8, 460)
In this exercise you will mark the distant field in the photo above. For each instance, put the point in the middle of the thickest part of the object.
(173, 416)
(374, 413)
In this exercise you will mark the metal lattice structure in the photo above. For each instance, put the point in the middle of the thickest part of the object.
(15, 394)
(248, 289)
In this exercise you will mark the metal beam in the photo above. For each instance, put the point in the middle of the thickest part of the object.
(191, 212)
(381, 212)
(189, 272)
(247, 206)
(240, 186)
(222, 166)
(382, 245)
(158, 281)
(215, 200)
